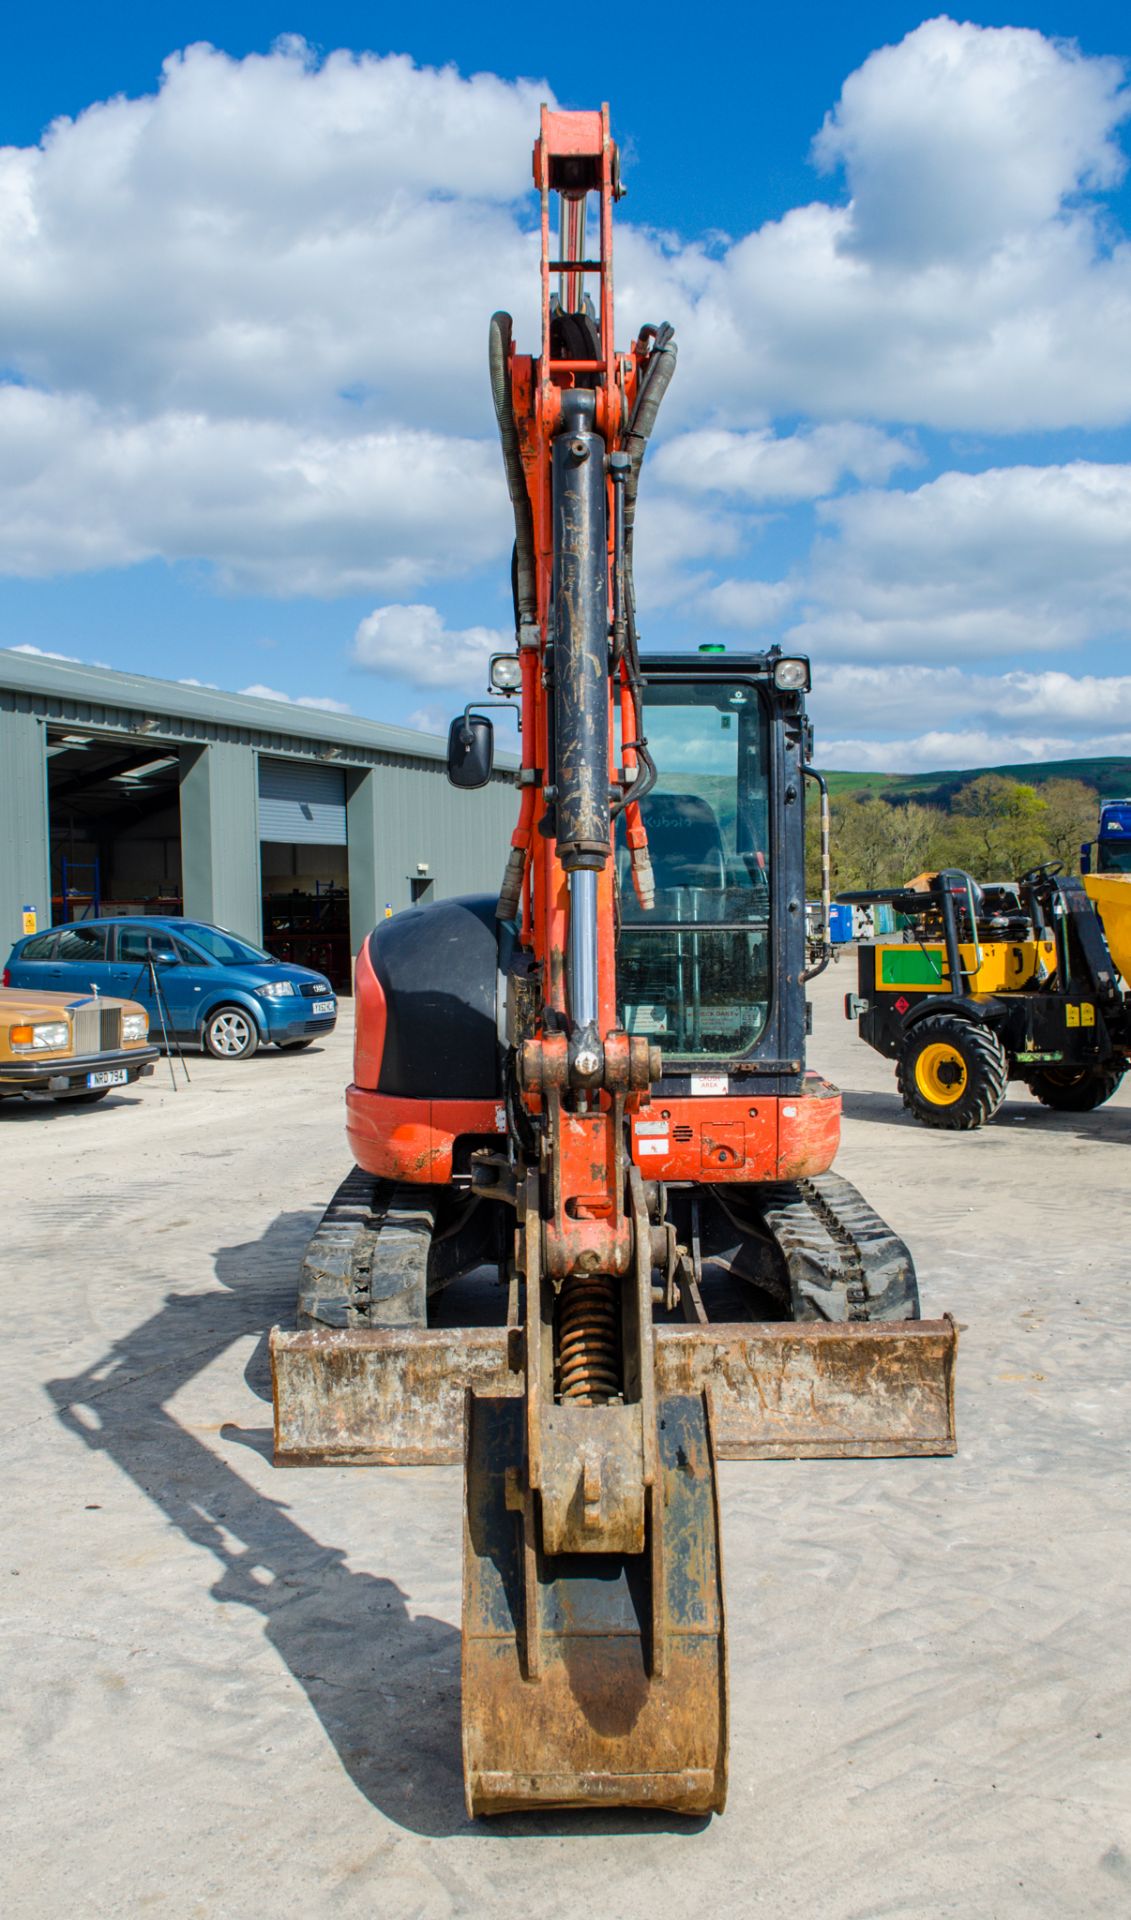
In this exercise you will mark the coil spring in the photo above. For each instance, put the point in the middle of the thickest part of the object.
(588, 1347)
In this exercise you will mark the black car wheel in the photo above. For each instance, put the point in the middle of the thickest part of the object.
(952, 1073)
(230, 1034)
(1074, 1089)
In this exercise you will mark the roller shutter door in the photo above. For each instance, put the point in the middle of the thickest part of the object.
(302, 804)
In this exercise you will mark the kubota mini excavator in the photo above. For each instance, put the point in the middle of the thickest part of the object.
(595, 1089)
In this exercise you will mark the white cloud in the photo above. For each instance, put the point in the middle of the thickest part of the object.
(412, 643)
(761, 466)
(1008, 561)
(672, 540)
(263, 234)
(45, 653)
(894, 698)
(429, 719)
(942, 751)
(969, 282)
(318, 702)
(276, 508)
(963, 137)
(747, 604)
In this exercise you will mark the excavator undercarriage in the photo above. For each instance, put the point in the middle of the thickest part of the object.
(592, 1243)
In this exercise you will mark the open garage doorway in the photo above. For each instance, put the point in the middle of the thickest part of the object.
(305, 866)
(115, 824)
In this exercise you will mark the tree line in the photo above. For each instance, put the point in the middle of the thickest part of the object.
(995, 829)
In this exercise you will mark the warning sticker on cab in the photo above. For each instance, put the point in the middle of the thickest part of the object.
(653, 1145)
(710, 1083)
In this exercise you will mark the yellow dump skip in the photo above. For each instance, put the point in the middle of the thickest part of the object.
(1111, 894)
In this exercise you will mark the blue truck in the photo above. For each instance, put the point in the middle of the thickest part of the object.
(1110, 851)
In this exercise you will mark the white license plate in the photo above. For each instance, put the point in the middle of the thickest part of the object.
(108, 1077)
(322, 1006)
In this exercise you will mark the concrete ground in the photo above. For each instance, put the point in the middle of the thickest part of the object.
(232, 1691)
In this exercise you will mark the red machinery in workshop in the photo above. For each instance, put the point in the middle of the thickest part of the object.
(595, 1087)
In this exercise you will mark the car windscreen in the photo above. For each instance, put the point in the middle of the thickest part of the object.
(227, 948)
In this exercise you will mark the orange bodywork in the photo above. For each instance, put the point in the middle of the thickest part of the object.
(708, 1141)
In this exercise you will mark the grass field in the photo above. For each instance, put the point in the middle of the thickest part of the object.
(1110, 777)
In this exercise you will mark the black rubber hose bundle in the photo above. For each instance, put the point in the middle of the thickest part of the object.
(524, 581)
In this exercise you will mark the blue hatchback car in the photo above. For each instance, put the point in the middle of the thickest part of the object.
(215, 988)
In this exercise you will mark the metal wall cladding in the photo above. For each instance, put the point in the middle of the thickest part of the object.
(300, 804)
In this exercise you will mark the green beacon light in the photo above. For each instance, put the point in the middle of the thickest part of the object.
(711, 646)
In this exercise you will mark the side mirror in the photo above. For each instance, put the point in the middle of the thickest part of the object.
(162, 956)
(471, 750)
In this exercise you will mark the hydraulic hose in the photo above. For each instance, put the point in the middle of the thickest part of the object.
(653, 386)
(655, 383)
(525, 588)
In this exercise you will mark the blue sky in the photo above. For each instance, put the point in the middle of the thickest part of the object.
(243, 301)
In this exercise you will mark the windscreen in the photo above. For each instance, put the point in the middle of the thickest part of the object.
(693, 970)
(228, 948)
(1114, 857)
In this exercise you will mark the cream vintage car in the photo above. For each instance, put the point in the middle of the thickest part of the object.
(77, 1047)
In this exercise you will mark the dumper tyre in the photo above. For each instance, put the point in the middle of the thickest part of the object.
(1075, 1089)
(952, 1073)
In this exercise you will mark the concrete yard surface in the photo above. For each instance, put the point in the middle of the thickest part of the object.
(233, 1692)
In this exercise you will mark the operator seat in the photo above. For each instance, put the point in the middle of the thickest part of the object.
(685, 843)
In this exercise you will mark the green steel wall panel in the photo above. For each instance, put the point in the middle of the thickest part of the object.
(25, 855)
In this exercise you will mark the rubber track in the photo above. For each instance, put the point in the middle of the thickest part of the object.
(842, 1260)
(366, 1262)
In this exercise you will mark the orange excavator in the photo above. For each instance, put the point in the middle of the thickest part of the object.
(592, 1242)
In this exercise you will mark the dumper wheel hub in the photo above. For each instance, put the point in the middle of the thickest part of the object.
(940, 1073)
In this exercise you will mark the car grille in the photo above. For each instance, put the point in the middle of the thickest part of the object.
(315, 989)
(97, 1029)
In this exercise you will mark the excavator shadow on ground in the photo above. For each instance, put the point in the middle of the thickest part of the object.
(383, 1682)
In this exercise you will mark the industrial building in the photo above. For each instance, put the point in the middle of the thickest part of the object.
(292, 826)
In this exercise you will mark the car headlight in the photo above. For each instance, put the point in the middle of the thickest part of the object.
(135, 1026)
(37, 1039)
(277, 990)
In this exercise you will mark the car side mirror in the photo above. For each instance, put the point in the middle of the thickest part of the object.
(471, 750)
(163, 956)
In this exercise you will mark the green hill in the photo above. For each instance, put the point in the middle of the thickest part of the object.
(1110, 777)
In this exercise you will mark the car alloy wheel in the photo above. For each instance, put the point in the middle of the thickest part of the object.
(230, 1034)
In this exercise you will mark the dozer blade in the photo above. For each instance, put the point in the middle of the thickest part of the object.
(592, 1679)
(778, 1389)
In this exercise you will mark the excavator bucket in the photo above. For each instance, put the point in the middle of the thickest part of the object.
(593, 1679)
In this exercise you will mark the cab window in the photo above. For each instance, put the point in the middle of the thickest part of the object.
(693, 967)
